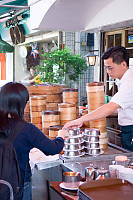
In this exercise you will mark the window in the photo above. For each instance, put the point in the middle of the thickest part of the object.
(113, 38)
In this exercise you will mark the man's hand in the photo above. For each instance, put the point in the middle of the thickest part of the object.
(73, 124)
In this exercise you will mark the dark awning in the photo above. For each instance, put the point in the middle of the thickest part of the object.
(5, 47)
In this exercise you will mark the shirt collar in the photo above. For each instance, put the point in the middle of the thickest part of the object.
(118, 82)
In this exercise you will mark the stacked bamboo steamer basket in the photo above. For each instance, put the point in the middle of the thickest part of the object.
(50, 118)
(35, 90)
(67, 112)
(70, 95)
(96, 98)
(37, 105)
(53, 94)
(53, 131)
(52, 105)
(42, 89)
(52, 101)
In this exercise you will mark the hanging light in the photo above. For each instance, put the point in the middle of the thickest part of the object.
(90, 59)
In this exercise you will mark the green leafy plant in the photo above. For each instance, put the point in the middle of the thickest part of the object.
(61, 66)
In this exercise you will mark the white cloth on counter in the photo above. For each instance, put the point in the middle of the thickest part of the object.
(37, 156)
(124, 98)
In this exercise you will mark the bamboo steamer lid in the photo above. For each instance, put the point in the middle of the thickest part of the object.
(70, 91)
(53, 131)
(38, 100)
(95, 86)
(54, 98)
(50, 118)
(67, 111)
(70, 95)
(67, 108)
(50, 115)
(52, 105)
(44, 89)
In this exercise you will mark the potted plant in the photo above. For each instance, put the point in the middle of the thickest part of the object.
(61, 66)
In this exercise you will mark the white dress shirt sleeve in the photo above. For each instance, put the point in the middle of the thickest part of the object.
(124, 97)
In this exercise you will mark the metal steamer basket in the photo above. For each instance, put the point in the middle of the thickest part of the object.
(91, 141)
(74, 146)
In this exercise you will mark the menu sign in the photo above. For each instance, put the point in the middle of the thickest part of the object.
(130, 39)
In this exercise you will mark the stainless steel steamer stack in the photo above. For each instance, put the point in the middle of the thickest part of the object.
(91, 141)
(74, 146)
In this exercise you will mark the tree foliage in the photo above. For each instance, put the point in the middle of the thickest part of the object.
(61, 66)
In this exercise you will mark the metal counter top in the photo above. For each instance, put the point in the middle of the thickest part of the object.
(99, 161)
(49, 164)
(109, 154)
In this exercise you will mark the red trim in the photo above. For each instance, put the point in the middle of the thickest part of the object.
(3, 66)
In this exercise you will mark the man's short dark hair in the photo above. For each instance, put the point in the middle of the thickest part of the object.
(118, 54)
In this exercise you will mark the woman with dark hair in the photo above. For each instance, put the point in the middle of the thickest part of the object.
(32, 79)
(13, 99)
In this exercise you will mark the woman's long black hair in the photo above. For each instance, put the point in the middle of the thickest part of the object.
(13, 99)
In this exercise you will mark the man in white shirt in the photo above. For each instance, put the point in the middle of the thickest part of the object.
(116, 62)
